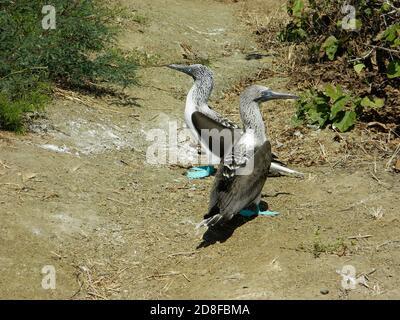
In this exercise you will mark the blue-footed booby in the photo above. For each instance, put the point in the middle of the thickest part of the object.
(200, 116)
(243, 172)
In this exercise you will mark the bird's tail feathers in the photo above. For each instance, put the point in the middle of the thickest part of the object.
(209, 222)
(277, 168)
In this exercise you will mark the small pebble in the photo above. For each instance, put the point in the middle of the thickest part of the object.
(324, 291)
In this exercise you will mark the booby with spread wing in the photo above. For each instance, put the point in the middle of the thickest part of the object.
(199, 118)
(243, 172)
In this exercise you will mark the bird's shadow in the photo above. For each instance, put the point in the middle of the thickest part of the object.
(221, 233)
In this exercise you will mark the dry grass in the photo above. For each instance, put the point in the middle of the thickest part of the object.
(95, 283)
(377, 213)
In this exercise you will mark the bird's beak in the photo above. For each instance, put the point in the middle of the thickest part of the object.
(181, 68)
(272, 95)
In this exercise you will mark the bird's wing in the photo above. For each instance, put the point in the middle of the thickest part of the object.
(229, 195)
(239, 156)
(236, 159)
(214, 134)
(219, 118)
(229, 164)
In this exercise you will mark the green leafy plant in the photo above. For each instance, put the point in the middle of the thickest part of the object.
(328, 47)
(332, 106)
(337, 247)
(359, 67)
(79, 53)
(374, 102)
(21, 93)
(391, 35)
(296, 30)
(393, 70)
(321, 246)
(320, 23)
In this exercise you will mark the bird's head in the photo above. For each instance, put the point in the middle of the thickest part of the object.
(260, 94)
(196, 71)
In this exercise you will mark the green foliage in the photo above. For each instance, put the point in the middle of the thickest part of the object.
(359, 67)
(297, 8)
(337, 247)
(374, 103)
(330, 47)
(295, 31)
(393, 70)
(332, 106)
(321, 246)
(370, 48)
(320, 24)
(22, 92)
(391, 35)
(78, 53)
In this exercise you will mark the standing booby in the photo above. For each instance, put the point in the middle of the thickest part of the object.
(243, 171)
(199, 116)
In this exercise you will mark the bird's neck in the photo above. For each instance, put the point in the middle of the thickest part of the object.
(252, 120)
(201, 91)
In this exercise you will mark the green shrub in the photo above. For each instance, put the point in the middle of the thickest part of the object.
(319, 23)
(79, 53)
(332, 106)
(365, 59)
(21, 92)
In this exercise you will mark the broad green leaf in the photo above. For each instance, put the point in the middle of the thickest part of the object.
(393, 70)
(320, 101)
(386, 7)
(296, 121)
(359, 67)
(330, 91)
(348, 120)
(376, 103)
(317, 117)
(333, 92)
(330, 46)
(338, 106)
(391, 34)
(298, 7)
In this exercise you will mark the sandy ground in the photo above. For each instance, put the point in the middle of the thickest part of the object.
(78, 194)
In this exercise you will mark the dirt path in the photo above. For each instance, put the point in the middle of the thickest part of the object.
(79, 195)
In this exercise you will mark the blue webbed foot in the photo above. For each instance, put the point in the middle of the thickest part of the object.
(200, 172)
(258, 212)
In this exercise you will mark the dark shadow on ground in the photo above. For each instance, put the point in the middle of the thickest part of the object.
(221, 233)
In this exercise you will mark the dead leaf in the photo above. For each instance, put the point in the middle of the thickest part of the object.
(397, 166)
(28, 176)
(75, 168)
(51, 196)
